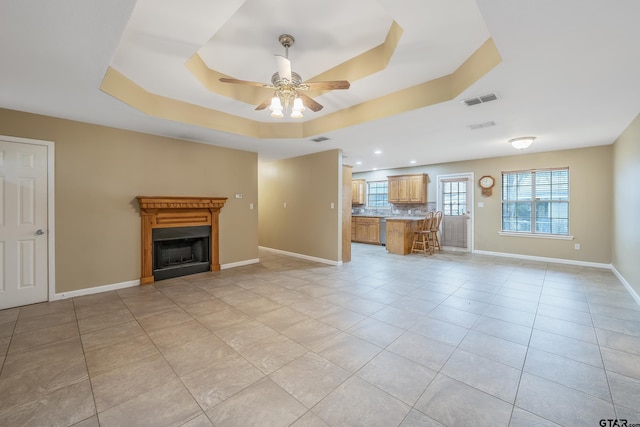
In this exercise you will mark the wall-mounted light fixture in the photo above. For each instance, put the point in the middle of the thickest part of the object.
(522, 142)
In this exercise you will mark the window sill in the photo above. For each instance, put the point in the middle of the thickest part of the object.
(536, 235)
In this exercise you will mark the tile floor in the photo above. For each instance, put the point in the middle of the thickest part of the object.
(385, 340)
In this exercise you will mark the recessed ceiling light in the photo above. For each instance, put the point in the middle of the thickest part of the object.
(358, 163)
(413, 162)
(377, 152)
(375, 169)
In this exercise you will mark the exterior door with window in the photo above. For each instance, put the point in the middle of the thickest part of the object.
(23, 223)
(455, 206)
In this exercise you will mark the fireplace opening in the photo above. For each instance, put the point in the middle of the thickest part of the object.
(180, 251)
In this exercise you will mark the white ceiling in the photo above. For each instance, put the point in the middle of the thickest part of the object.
(569, 71)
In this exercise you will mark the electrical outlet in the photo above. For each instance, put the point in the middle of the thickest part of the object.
(238, 195)
(332, 206)
(284, 205)
(576, 246)
(250, 205)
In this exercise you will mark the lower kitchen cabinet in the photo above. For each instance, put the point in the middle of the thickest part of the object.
(365, 229)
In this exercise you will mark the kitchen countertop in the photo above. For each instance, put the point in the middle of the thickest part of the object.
(392, 217)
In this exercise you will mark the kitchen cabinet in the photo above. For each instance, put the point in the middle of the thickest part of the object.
(400, 234)
(408, 188)
(367, 229)
(357, 191)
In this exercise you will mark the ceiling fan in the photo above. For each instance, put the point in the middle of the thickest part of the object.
(288, 86)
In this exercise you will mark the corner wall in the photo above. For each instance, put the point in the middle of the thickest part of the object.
(626, 204)
(98, 173)
(308, 185)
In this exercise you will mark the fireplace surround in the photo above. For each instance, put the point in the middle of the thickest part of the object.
(179, 224)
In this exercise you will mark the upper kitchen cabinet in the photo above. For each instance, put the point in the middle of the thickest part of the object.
(408, 188)
(357, 191)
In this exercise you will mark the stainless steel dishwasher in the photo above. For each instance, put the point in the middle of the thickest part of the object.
(383, 231)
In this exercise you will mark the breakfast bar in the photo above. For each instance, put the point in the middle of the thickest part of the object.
(400, 233)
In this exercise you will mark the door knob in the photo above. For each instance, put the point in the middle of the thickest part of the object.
(40, 232)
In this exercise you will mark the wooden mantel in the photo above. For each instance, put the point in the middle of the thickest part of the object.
(168, 212)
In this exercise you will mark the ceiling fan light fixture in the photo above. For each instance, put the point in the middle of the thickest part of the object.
(522, 142)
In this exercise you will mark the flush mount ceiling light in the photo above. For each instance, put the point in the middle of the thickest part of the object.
(287, 85)
(522, 142)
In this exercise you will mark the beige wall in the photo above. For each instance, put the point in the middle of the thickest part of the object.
(308, 225)
(98, 173)
(590, 172)
(626, 204)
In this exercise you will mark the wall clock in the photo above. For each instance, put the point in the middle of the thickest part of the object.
(486, 183)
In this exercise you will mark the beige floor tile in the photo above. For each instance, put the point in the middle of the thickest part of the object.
(129, 350)
(175, 336)
(88, 422)
(621, 362)
(262, 404)
(105, 320)
(445, 397)
(164, 319)
(9, 315)
(46, 355)
(200, 420)
(310, 378)
(564, 405)
(485, 374)
(31, 384)
(498, 349)
(203, 308)
(223, 319)
(245, 333)
(282, 318)
(438, 330)
(579, 350)
(64, 406)
(430, 353)
(128, 381)
(400, 377)
(273, 352)
(577, 375)
(348, 352)
(197, 354)
(85, 311)
(34, 310)
(418, 419)
(522, 418)
(220, 380)
(376, 332)
(109, 336)
(505, 330)
(44, 321)
(358, 403)
(168, 404)
(402, 319)
(310, 333)
(147, 305)
(39, 337)
(309, 420)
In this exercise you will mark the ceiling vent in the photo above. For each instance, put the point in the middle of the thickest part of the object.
(480, 100)
(481, 125)
(320, 139)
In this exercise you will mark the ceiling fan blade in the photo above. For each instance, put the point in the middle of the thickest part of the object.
(264, 104)
(243, 82)
(330, 85)
(310, 103)
(284, 67)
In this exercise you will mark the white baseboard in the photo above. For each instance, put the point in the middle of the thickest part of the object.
(296, 255)
(626, 284)
(239, 263)
(546, 259)
(95, 290)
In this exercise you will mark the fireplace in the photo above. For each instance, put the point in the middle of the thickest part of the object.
(179, 236)
(180, 251)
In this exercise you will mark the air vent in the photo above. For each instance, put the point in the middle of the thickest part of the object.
(320, 139)
(480, 100)
(481, 125)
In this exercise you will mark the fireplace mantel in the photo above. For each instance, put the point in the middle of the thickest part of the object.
(168, 212)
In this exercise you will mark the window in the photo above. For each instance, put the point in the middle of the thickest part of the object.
(378, 194)
(454, 197)
(536, 201)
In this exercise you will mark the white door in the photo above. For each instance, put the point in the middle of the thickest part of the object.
(455, 203)
(23, 224)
